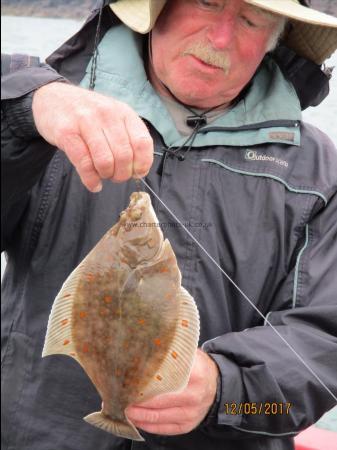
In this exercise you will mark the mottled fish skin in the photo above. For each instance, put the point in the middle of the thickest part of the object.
(126, 307)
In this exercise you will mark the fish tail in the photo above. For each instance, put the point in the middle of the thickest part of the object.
(120, 428)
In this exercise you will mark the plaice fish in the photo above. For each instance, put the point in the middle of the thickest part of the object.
(123, 315)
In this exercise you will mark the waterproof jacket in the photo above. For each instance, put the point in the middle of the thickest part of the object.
(258, 189)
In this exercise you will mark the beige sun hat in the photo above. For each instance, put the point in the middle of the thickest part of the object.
(313, 34)
(139, 15)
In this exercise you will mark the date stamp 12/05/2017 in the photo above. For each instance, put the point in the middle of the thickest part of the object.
(257, 408)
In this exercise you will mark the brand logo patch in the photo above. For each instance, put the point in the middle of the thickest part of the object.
(253, 155)
(282, 136)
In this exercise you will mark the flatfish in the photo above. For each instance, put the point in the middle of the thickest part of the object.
(123, 315)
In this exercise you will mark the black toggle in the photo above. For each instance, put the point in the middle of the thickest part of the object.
(196, 121)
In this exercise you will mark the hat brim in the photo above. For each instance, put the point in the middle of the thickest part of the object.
(139, 15)
(295, 11)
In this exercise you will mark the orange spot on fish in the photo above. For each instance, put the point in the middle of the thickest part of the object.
(118, 372)
(159, 378)
(184, 323)
(157, 342)
(107, 299)
(64, 321)
(66, 342)
(83, 314)
(90, 277)
(168, 296)
(104, 312)
(164, 269)
(131, 382)
(141, 321)
(174, 355)
(85, 348)
(136, 360)
(126, 345)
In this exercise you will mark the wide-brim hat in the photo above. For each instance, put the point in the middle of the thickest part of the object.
(312, 34)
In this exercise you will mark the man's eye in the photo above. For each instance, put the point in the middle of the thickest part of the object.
(248, 22)
(211, 5)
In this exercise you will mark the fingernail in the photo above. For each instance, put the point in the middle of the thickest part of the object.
(137, 176)
(97, 188)
(139, 173)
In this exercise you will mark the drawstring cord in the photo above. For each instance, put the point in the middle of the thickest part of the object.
(174, 152)
(95, 53)
(190, 140)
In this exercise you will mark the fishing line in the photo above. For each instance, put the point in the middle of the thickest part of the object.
(242, 293)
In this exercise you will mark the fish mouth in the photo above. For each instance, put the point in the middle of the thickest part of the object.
(142, 238)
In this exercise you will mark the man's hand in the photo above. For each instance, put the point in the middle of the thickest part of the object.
(179, 413)
(102, 137)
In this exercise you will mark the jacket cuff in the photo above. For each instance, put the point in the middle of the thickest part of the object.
(21, 82)
(212, 414)
(229, 391)
(19, 115)
(18, 88)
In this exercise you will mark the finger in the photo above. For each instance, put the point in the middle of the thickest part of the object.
(168, 429)
(99, 147)
(79, 155)
(170, 400)
(159, 416)
(118, 138)
(141, 144)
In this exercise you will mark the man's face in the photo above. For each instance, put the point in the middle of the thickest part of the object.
(230, 35)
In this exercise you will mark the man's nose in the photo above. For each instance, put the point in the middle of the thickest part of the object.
(221, 34)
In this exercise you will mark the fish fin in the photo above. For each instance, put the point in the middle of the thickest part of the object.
(174, 372)
(123, 429)
(59, 330)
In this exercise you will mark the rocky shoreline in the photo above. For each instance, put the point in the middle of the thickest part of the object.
(71, 9)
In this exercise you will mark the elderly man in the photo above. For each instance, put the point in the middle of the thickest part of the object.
(200, 107)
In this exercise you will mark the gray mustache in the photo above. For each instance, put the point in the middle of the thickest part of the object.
(209, 56)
